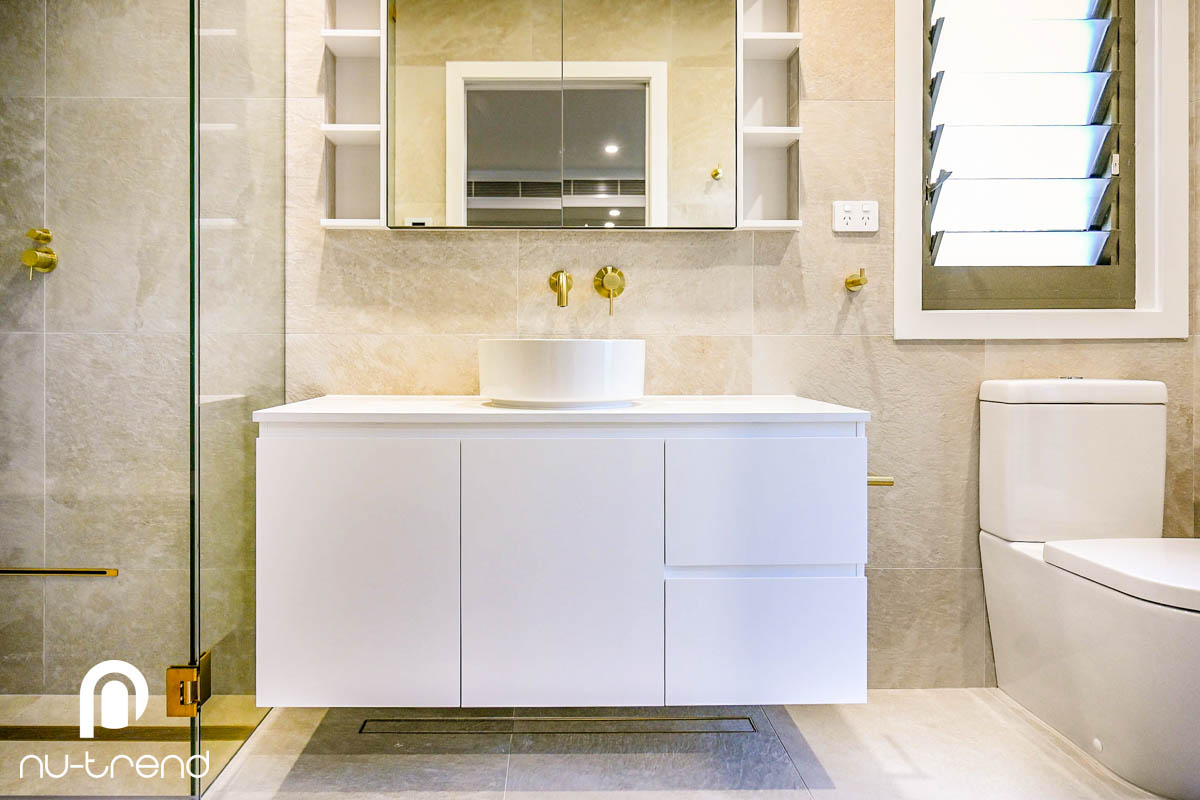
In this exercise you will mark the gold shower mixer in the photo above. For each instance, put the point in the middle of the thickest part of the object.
(40, 258)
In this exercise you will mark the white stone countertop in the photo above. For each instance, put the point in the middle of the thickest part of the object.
(654, 409)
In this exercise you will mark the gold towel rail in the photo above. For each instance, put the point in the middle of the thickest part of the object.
(94, 572)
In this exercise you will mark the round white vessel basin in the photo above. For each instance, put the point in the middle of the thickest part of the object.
(562, 373)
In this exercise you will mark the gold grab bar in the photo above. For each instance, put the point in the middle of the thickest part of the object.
(95, 572)
(880, 480)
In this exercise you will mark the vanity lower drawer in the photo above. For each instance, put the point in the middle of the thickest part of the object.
(766, 640)
(766, 501)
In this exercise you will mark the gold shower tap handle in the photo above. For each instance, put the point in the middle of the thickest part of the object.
(40, 235)
(42, 259)
(609, 282)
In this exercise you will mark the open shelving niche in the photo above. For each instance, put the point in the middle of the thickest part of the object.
(768, 119)
(769, 114)
(355, 102)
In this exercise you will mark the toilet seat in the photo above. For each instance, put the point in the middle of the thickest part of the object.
(1163, 571)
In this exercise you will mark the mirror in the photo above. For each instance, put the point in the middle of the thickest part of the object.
(562, 113)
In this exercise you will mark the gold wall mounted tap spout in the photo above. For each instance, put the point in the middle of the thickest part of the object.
(562, 283)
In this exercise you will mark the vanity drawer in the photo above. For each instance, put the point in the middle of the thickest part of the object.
(766, 501)
(766, 640)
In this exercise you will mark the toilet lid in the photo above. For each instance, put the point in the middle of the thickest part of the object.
(1164, 571)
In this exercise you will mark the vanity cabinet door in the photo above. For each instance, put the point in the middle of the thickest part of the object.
(734, 640)
(799, 500)
(358, 572)
(562, 572)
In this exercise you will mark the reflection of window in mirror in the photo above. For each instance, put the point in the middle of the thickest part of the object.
(472, 115)
(518, 176)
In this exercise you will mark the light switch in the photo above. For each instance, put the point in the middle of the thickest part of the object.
(855, 216)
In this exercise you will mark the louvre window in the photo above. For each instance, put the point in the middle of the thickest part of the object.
(1029, 178)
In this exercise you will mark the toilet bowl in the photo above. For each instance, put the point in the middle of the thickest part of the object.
(1095, 618)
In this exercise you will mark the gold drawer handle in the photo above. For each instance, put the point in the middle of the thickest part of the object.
(880, 480)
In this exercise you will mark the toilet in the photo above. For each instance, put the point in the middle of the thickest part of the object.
(1095, 618)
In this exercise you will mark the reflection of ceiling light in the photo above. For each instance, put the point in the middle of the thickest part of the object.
(610, 224)
(614, 212)
(611, 149)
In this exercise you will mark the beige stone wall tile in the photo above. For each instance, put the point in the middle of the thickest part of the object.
(242, 186)
(698, 364)
(227, 629)
(1167, 361)
(372, 364)
(927, 628)
(117, 467)
(117, 187)
(22, 66)
(678, 283)
(21, 634)
(411, 282)
(847, 152)
(142, 614)
(304, 75)
(799, 283)
(226, 482)
(848, 51)
(136, 48)
(22, 206)
(924, 430)
(22, 443)
(250, 62)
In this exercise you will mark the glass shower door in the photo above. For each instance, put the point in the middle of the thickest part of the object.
(96, 540)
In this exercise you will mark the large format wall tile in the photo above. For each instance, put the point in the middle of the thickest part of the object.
(1167, 361)
(680, 283)
(927, 628)
(131, 48)
(321, 364)
(21, 635)
(117, 450)
(243, 57)
(22, 205)
(698, 364)
(242, 216)
(413, 282)
(22, 60)
(924, 430)
(140, 616)
(22, 439)
(117, 200)
(799, 282)
(848, 51)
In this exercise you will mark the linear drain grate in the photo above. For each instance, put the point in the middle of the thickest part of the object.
(559, 725)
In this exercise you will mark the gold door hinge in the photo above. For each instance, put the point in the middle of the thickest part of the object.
(188, 686)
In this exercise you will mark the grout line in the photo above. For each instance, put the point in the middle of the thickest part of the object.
(45, 374)
(783, 744)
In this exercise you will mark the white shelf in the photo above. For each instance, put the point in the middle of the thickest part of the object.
(769, 46)
(772, 224)
(351, 224)
(770, 135)
(348, 43)
(351, 133)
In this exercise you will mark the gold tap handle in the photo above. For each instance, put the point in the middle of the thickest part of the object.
(880, 480)
(40, 235)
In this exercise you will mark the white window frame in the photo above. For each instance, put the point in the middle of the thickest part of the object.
(1161, 305)
(654, 73)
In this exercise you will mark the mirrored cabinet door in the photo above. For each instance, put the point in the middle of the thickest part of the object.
(562, 113)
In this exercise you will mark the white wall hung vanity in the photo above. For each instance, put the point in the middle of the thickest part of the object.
(438, 551)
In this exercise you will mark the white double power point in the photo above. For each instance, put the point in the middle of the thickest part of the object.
(855, 216)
